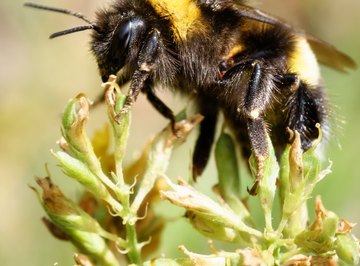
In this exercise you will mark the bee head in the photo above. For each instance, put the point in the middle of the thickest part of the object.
(116, 38)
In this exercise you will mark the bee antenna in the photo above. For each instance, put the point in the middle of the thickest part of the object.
(72, 30)
(64, 11)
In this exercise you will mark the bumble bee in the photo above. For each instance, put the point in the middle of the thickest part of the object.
(259, 71)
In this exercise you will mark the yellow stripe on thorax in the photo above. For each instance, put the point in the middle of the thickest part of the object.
(183, 14)
(303, 62)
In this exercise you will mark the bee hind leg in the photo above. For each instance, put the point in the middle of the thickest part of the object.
(256, 101)
(256, 92)
(259, 140)
(306, 108)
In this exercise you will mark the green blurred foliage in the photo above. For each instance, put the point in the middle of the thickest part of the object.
(38, 76)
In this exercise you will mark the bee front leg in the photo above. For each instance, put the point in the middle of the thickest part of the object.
(146, 65)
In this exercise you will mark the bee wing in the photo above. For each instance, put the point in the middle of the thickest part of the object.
(326, 54)
(256, 14)
(329, 56)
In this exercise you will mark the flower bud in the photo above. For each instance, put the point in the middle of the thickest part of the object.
(81, 173)
(74, 120)
(207, 212)
(300, 172)
(266, 176)
(347, 248)
(319, 236)
(120, 122)
(215, 230)
(81, 228)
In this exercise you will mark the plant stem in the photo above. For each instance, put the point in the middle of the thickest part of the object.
(134, 254)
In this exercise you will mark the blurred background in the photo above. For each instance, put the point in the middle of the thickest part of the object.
(38, 76)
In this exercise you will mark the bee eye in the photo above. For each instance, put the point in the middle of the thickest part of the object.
(124, 34)
(123, 37)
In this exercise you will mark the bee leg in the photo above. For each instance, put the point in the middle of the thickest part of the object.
(161, 107)
(291, 81)
(138, 81)
(259, 142)
(146, 64)
(254, 102)
(305, 109)
(206, 137)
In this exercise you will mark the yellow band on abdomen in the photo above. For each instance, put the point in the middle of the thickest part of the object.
(303, 62)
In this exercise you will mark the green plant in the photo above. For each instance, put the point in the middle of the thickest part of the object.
(114, 223)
